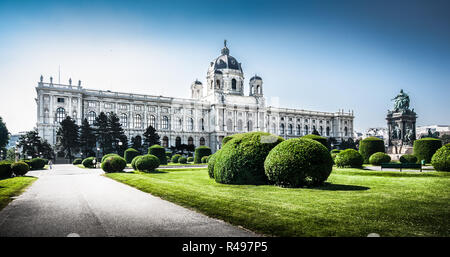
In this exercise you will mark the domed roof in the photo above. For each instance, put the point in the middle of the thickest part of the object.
(197, 82)
(256, 77)
(225, 61)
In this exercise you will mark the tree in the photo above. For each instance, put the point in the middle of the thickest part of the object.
(87, 139)
(11, 154)
(151, 137)
(117, 133)
(4, 134)
(46, 150)
(67, 137)
(136, 143)
(124, 146)
(29, 143)
(102, 133)
(346, 144)
(315, 132)
(445, 139)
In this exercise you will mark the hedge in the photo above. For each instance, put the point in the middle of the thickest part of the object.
(38, 163)
(441, 159)
(20, 168)
(200, 152)
(133, 162)
(335, 151)
(227, 138)
(5, 169)
(322, 140)
(424, 148)
(147, 163)
(89, 162)
(77, 161)
(378, 158)
(159, 152)
(408, 158)
(113, 164)
(129, 154)
(205, 159)
(211, 162)
(241, 160)
(369, 146)
(298, 162)
(182, 160)
(109, 155)
(349, 158)
(190, 159)
(175, 158)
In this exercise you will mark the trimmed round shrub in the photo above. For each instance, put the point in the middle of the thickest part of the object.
(227, 138)
(133, 162)
(424, 148)
(168, 159)
(5, 169)
(349, 158)
(205, 159)
(109, 155)
(211, 162)
(20, 168)
(190, 159)
(369, 146)
(333, 156)
(441, 159)
(408, 158)
(241, 160)
(200, 152)
(175, 158)
(113, 164)
(38, 163)
(322, 140)
(379, 158)
(335, 151)
(129, 154)
(147, 163)
(77, 161)
(182, 160)
(89, 162)
(298, 162)
(159, 152)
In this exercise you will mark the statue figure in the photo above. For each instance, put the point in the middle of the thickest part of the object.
(409, 135)
(79, 83)
(431, 134)
(401, 102)
(51, 80)
(42, 78)
(70, 81)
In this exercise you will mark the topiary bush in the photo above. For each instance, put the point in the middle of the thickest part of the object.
(147, 163)
(129, 154)
(205, 159)
(200, 152)
(211, 162)
(175, 158)
(20, 168)
(227, 138)
(133, 162)
(182, 160)
(5, 169)
(241, 160)
(113, 164)
(109, 155)
(379, 158)
(408, 158)
(369, 146)
(38, 163)
(322, 140)
(349, 158)
(190, 159)
(441, 159)
(89, 162)
(298, 162)
(159, 152)
(424, 148)
(77, 161)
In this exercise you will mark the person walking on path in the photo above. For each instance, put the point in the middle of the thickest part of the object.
(50, 163)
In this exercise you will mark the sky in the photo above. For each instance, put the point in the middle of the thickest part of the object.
(313, 55)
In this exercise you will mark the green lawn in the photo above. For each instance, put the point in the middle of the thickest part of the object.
(353, 203)
(12, 187)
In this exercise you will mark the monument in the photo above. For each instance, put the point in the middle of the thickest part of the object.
(401, 123)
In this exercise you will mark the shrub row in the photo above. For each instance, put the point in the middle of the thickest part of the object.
(200, 152)
(159, 152)
(369, 146)
(424, 148)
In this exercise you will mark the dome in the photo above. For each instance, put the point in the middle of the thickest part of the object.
(256, 77)
(197, 82)
(225, 61)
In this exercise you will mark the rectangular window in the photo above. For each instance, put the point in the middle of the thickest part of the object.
(60, 100)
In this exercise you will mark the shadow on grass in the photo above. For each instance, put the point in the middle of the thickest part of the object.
(339, 187)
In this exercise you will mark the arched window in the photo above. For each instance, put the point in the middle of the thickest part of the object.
(306, 130)
(190, 124)
(123, 120)
(321, 130)
(165, 122)
(202, 124)
(179, 124)
(298, 132)
(345, 131)
(218, 84)
(328, 131)
(282, 129)
(233, 84)
(202, 141)
(229, 125)
(239, 125)
(165, 142)
(137, 121)
(258, 89)
(250, 125)
(290, 129)
(152, 121)
(190, 141)
(211, 86)
(178, 141)
(60, 114)
(91, 117)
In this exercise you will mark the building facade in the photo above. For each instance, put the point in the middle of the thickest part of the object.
(217, 108)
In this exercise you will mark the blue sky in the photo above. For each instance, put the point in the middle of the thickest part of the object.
(317, 55)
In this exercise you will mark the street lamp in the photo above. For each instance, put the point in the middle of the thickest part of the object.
(96, 156)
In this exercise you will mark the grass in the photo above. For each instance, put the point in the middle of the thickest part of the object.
(13, 187)
(353, 202)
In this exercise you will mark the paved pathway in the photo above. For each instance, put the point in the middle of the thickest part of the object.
(378, 168)
(68, 200)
